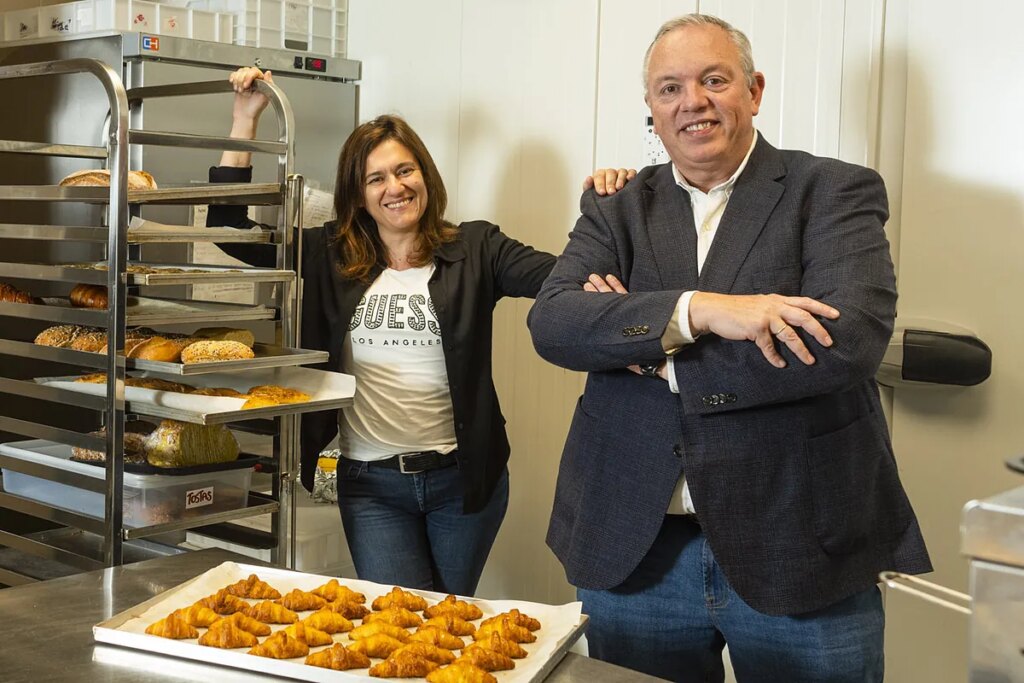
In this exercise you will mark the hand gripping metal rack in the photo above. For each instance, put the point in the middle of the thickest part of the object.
(120, 203)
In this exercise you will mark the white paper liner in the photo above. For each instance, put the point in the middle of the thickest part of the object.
(560, 623)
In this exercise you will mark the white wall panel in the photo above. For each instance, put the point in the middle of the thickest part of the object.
(627, 28)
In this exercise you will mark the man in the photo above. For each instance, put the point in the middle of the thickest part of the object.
(728, 476)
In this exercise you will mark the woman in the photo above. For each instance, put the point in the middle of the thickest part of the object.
(403, 300)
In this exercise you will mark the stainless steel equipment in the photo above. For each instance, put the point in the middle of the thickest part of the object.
(992, 537)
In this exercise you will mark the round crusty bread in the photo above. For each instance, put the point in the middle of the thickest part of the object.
(137, 180)
(212, 351)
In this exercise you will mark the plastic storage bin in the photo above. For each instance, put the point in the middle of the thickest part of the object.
(318, 26)
(148, 498)
(143, 16)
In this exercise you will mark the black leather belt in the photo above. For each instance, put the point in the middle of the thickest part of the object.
(422, 461)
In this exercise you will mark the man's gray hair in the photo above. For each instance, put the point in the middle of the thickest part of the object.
(735, 35)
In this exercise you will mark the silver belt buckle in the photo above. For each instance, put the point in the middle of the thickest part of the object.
(401, 464)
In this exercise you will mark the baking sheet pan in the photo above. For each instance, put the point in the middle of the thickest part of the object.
(142, 231)
(143, 310)
(329, 390)
(267, 356)
(562, 625)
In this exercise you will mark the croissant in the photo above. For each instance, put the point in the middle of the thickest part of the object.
(378, 645)
(400, 598)
(452, 605)
(452, 624)
(372, 629)
(173, 626)
(437, 636)
(281, 646)
(460, 672)
(88, 296)
(349, 610)
(223, 602)
(507, 629)
(198, 615)
(271, 613)
(339, 658)
(244, 622)
(310, 636)
(495, 641)
(253, 587)
(301, 600)
(426, 651)
(327, 621)
(488, 660)
(333, 591)
(403, 667)
(517, 618)
(228, 636)
(399, 616)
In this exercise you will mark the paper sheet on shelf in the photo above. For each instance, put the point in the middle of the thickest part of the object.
(206, 252)
(558, 623)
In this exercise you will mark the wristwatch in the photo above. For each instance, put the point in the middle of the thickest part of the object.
(650, 369)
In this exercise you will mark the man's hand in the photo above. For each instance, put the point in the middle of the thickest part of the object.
(762, 318)
(610, 283)
(608, 180)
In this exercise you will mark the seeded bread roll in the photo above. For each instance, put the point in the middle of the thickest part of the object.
(90, 341)
(88, 296)
(61, 336)
(212, 351)
(226, 334)
(137, 180)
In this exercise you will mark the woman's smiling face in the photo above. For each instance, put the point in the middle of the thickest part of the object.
(394, 193)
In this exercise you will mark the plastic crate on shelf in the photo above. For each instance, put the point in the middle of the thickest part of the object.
(142, 16)
(148, 498)
(318, 26)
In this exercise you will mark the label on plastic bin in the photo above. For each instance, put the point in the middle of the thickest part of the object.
(197, 498)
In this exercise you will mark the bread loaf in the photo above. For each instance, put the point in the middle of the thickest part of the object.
(209, 351)
(177, 444)
(11, 294)
(133, 449)
(88, 296)
(272, 395)
(137, 180)
(91, 341)
(226, 334)
(155, 348)
(61, 336)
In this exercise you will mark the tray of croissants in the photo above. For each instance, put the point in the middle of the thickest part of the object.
(318, 628)
(207, 349)
(216, 398)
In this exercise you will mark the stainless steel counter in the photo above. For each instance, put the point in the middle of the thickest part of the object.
(46, 630)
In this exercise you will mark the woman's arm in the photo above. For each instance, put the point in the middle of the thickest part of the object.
(245, 114)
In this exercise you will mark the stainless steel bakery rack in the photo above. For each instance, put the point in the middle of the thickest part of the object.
(125, 308)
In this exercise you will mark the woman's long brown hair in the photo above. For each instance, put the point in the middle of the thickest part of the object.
(358, 238)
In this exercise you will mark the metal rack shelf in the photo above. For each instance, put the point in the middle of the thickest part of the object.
(129, 310)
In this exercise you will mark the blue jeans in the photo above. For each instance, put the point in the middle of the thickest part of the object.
(409, 530)
(676, 611)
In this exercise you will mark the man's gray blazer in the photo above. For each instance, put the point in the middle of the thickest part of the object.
(791, 470)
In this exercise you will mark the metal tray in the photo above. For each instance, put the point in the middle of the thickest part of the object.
(144, 232)
(329, 391)
(194, 273)
(267, 356)
(197, 193)
(562, 627)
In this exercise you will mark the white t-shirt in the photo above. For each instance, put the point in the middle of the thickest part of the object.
(393, 347)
